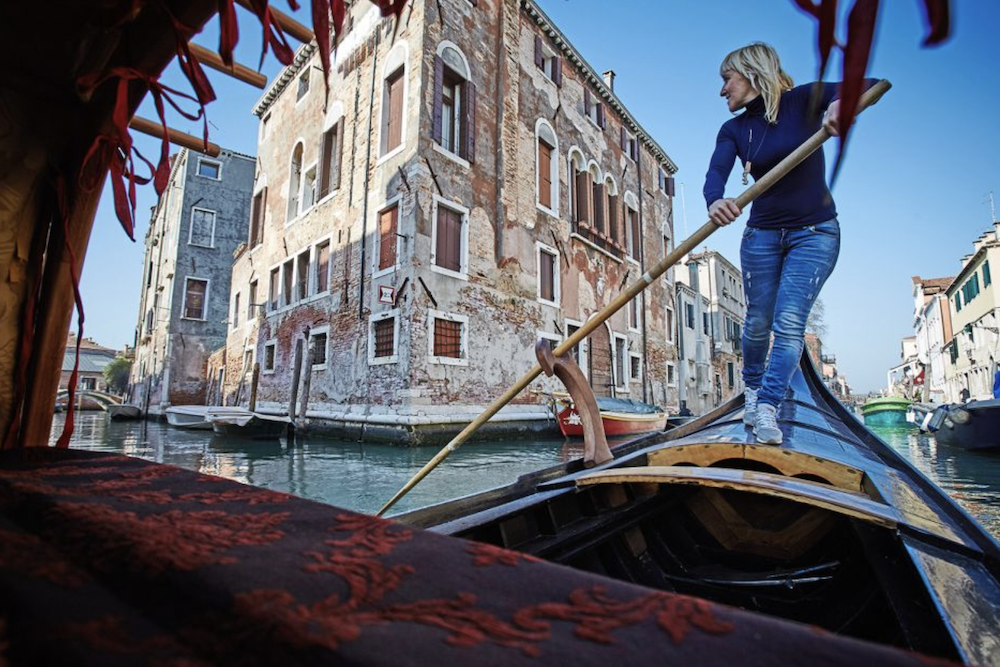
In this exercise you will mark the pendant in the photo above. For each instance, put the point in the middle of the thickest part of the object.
(746, 172)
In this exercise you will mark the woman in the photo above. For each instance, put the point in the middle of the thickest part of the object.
(792, 239)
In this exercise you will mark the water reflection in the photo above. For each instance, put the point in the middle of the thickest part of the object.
(363, 476)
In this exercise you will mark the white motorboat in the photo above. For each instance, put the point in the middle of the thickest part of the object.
(195, 416)
(251, 425)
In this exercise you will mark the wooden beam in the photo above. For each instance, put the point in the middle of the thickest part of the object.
(289, 25)
(236, 70)
(176, 137)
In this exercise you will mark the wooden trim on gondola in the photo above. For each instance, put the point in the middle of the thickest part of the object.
(802, 491)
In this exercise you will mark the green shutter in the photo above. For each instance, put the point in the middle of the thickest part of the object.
(987, 278)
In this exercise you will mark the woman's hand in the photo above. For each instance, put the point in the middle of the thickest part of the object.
(723, 211)
(831, 119)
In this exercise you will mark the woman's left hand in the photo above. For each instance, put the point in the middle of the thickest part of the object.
(831, 119)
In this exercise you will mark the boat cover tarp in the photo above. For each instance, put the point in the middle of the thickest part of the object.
(109, 560)
(626, 405)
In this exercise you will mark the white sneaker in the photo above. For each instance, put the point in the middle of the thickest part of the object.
(749, 405)
(765, 426)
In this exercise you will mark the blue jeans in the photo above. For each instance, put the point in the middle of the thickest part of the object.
(783, 272)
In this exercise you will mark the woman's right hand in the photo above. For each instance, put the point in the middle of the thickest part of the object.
(724, 211)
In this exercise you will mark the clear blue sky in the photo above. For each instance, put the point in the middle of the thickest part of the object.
(912, 195)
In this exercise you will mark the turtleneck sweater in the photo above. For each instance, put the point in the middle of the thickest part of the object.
(800, 198)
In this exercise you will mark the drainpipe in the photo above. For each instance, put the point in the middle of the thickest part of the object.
(501, 85)
(642, 267)
(368, 162)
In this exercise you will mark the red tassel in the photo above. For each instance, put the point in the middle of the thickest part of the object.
(63, 442)
(939, 20)
(860, 36)
(229, 30)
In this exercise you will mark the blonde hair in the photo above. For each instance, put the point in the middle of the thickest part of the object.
(759, 63)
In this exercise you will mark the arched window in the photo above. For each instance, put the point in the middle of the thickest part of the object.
(394, 89)
(454, 102)
(592, 190)
(294, 183)
(546, 167)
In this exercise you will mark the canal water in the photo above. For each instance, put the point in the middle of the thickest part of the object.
(363, 476)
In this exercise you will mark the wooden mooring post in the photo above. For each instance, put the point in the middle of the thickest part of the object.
(296, 373)
(254, 380)
(306, 383)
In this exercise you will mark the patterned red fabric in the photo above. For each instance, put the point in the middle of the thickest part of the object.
(116, 561)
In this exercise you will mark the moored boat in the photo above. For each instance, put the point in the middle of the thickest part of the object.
(885, 411)
(620, 416)
(972, 425)
(123, 412)
(195, 417)
(833, 528)
(249, 425)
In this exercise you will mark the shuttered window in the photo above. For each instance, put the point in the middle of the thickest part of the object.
(202, 228)
(195, 290)
(633, 313)
(614, 228)
(302, 276)
(252, 301)
(273, 288)
(330, 152)
(598, 199)
(670, 325)
(454, 121)
(322, 267)
(448, 249)
(582, 189)
(236, 310)
(546, 275)
(634, 240)
(287, 277)
(987, 278)
(257, 219)
(387, 238)
(447, 338)
(385, 333)
(544, 174)
(689, 315)
(393, 113)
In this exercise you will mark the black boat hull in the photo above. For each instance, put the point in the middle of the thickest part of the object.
(977, 429)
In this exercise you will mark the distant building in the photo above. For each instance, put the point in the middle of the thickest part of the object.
(974, 303)
(197, 224)
(90, 371)
(932, 331)
(826, 364)
(712, 310)
(492, 190)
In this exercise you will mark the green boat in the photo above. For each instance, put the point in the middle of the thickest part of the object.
(885, 411)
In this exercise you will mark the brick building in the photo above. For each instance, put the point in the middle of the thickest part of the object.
(197, 224)
(466, 185)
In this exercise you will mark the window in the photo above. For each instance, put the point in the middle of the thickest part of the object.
(287, 276)
(633, 314)
(303, 86)
(392, 112)
(671, 375)
(308, 190)
(635, 367)
(195, 298)
(689, 315)
(252, 301)
(382, 338)
(202, 228)
(265, 123)
(294, 184)
(579, 351)
(731, 374)
(330, 152)
(318, 339)
(666, 182)
(302, 276)
(958, 303)
(387, 241)
(546, 167)
(611, 211)
(549, 63)
(257, 219)
(987, 278)
(630, 144)
(454, 102)
(209, 169)
(621, 362)
(548, 274)
(448, 338)
(450, 239)
(704, 323)
(594, 110)
(270, 348)
(236, 310)
(634, 237)
(670, 325)
(322, 267)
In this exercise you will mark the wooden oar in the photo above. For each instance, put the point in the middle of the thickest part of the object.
(871, 96)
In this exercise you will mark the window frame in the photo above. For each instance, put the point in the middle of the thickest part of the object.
(204, 306)
(235, 322)
(556, 301)
(671, 379)
(393, 64)
(619, 385)
(396, 202)
(463, 272)
(215, 219)
(304, 75)
(583, 357)
(208, 161)
(553, 208)
(314, 273)
(432, 317)
(634, 356)
(670, 320)
(320, 331)
(392, 314)
(273, 345)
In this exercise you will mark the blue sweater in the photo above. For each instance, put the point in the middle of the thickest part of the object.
(801, 197)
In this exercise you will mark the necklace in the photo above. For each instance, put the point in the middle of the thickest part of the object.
(750, 156)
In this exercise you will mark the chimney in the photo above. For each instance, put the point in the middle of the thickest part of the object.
(609, 79)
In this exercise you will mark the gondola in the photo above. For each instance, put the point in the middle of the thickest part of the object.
(833, 528)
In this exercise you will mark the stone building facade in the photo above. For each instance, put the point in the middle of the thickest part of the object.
(196, 226)
(466, 185)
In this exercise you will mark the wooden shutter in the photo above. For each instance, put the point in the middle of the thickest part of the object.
(582, 196)
(257, 219)
(395, 129)
(613, 230)
(669, 185)
(546, 266)
(557, 70)
(586, 101)
(437, 133)
(544, 174)
(601, 120)
(338, 153)
(599, 207)
(448, 251)
(327, 151)
(539, 58)
(468, 137)
(323, 268)
(387, 238)
(633, 219)
(659, 178)
(624, 138)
